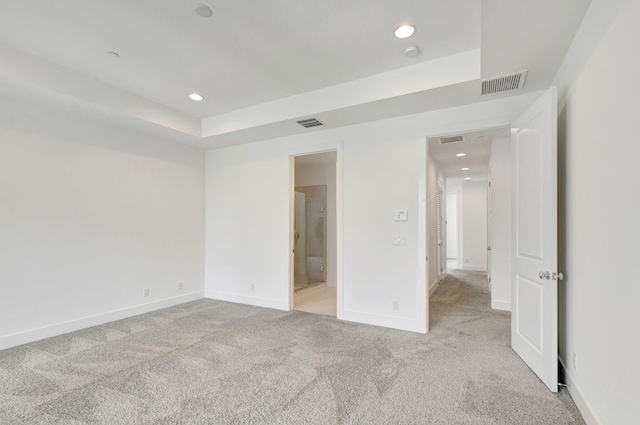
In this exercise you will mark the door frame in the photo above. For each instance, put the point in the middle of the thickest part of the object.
(441, 228)
(310, 150)
(489, 228)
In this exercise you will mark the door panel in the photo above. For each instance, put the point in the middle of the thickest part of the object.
(489, 230)
(534, 318)
(530, 326)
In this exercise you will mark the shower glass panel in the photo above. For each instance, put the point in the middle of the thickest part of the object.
(310, 226)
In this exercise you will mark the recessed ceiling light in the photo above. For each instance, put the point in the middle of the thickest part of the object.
(468, 179)
(113, 55)
(461, 154)
(405, 31)
(465, 169)
(204, 10)
(195, 96)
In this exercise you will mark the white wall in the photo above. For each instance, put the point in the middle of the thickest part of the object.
(454, 188)
(248, 239)
(434, 176)
(89, 216)
(381, 169)
(500, 171)
(474, 224)
(318, 175)
(598, 213)
(452, 225)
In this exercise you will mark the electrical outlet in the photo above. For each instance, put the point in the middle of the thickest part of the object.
(399, 241)
(574, 361)
(253, 287)
(395, 305)
(145, 292)
(180, 286)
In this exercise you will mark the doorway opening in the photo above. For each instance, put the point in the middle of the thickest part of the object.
(314, 262)
(465, 165)
(521, 240)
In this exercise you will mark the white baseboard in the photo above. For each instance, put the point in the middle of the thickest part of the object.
(434, 286)
(249, 300)
(583, 406)
(474, 268)
(400, 323)
(32, 335)
(501, 305)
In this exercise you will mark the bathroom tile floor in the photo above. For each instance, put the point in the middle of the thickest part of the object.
(319, 299)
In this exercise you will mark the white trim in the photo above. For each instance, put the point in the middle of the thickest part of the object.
(37, 334)
(474, 268)
(433, 286)
(274, 303)
(411, 325)
(583, 406)
(310, 150)
(501, 305)
(422, 298)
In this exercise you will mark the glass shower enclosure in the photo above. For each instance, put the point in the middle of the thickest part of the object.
(310, 229)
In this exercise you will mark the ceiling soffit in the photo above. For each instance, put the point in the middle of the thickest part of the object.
(445, 77)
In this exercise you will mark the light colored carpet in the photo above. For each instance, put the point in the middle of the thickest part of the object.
(212, 362)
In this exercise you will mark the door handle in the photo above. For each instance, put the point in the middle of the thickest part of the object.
(554, 275)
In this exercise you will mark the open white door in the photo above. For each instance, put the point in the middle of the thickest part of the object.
(534, 303)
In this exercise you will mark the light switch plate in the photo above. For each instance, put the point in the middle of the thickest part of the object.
(400, 215)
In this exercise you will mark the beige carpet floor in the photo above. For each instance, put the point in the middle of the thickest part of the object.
(212, 362)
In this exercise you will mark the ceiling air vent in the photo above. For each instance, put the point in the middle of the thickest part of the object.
(311, 122)
(504, 83)
(451, 139)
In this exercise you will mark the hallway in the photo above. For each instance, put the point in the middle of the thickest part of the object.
(497, 384)
(461, 294)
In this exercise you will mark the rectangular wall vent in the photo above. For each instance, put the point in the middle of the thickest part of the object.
(451, 139)
(504, 83)
(311, 122)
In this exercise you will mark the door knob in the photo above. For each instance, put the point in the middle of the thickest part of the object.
(544, 275)
(541, 274)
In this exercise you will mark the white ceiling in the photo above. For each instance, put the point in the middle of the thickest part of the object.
(476, 146)
(263, 65)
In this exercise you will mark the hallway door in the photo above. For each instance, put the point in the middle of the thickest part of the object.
(534, 317)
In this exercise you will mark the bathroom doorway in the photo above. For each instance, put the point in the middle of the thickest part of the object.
(314, 233)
